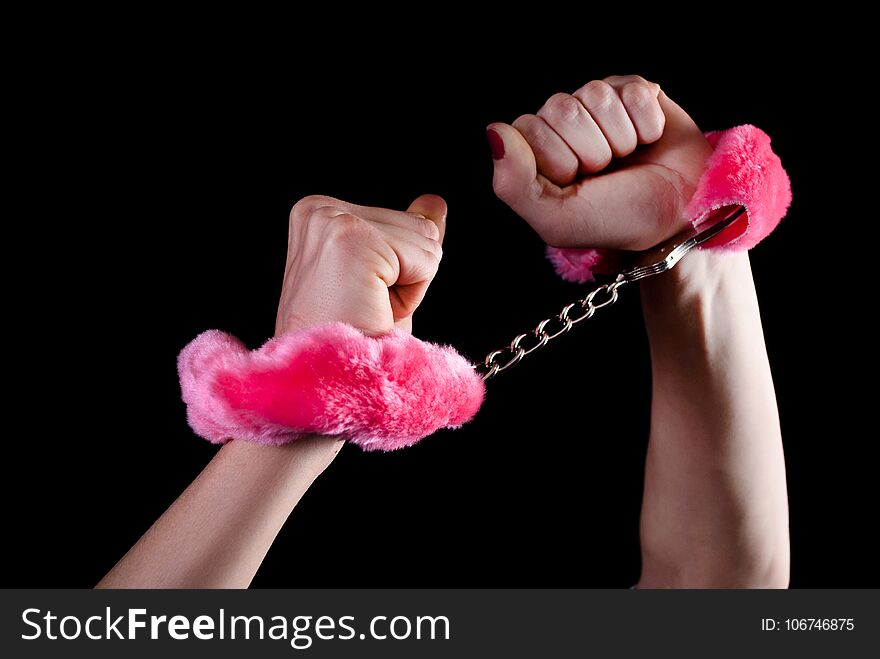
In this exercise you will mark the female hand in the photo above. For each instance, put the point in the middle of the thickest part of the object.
(553, 168)
(368, 267)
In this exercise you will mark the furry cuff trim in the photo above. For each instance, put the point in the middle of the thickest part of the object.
(743, 170)
(380, 393)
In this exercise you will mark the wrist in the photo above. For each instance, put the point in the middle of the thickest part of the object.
(308, 455)
(696, 278)
(689, 307)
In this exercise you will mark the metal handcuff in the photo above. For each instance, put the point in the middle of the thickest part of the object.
(654, 261)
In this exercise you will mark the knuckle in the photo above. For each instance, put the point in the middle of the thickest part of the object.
(626, 145)
(305, 206)
(320, 215)
(637, 95)
(597, 94)
(435, 249)
(625, 141)
(598, 159)
(650, 120)
(428, 228)
(567, 167)
(637, 78)
(523, 122)
(624, 79)
(561, 107)
(426, 269)
(433, 257)
(343, 229)
(533, 129)
(651, 131)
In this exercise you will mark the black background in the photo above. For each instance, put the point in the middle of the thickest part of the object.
(160, 183)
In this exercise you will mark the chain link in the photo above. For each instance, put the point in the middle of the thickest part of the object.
(571, 314)
(650, 263)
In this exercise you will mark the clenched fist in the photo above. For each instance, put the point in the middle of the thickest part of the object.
(368, 267)
(612, 165)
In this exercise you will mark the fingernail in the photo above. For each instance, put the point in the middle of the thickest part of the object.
(496, 143)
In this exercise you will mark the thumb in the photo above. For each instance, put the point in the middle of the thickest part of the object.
(515, 165)
(516, 180)
(432, 207)
(676, 118)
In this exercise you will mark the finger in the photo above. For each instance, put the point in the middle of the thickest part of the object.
(433, 208)
(645, 111)
(619, 82)
(596, 211)
(299, 217)
(415, 221)
(554, 157)
(671, 121)
(404, 219)
(606, 108)
(398, 235)
(417, 267)
(565, 114)
(640, 98)
(517, 183)
(628, 208)
(678, 122)
(418, 257)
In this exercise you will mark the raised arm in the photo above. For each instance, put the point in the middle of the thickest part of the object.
(715, 509)
(369, 267)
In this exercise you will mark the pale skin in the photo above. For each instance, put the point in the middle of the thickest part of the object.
(369, 267)
(715, 510)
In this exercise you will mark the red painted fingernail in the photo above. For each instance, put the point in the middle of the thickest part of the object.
(496, 143)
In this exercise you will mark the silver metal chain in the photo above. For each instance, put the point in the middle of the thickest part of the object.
(646, 264)
(571, 314)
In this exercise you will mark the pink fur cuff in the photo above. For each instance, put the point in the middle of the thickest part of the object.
(743, 170)
(381, 393)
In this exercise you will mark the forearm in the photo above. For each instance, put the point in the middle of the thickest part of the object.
(216, 534)
(715, 509)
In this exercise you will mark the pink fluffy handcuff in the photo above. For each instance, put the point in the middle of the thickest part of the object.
(387, 392)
